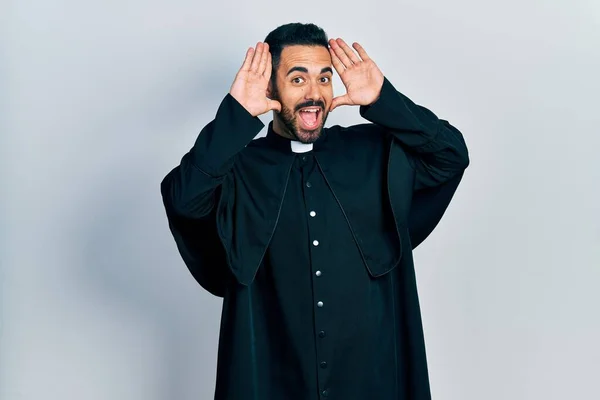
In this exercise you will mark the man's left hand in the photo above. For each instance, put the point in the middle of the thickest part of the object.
(360, 75)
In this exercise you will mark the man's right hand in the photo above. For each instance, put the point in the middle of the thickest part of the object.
(250, 85)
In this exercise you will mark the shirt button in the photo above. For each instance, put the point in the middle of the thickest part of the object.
(320, 304)
(312, 213)
(323, 364)
(324, 393)
(322, 334)
(315, 242)
(303, 158)
(318, 273)
(308, 184)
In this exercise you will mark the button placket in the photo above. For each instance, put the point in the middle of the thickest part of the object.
(315, 229)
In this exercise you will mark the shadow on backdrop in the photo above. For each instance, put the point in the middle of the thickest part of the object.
(132, 261)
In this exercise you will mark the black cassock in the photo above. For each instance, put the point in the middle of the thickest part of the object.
(312, 251)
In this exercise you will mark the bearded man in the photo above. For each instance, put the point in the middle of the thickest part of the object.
(308, 233)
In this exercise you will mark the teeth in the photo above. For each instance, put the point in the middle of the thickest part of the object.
(310, 110)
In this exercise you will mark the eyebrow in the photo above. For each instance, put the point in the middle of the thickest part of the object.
(303, 69)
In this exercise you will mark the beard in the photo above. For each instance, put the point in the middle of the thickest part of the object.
(289, 118)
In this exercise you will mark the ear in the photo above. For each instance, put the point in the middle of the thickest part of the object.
(270, 90)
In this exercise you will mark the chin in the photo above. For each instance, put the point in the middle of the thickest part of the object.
(308, 137)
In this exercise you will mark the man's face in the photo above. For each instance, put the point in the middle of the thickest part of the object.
(304, 89)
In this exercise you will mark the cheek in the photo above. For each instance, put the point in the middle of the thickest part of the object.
(293, 97)
(289, 103)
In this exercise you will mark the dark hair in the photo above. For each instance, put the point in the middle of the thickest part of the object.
(294, 34)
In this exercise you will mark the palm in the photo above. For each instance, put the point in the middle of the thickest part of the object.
(361, 76)
(361, 82)
(250, 85)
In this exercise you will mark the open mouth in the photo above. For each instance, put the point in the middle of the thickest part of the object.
(310, 117)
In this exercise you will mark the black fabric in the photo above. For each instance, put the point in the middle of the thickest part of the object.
(240, 215)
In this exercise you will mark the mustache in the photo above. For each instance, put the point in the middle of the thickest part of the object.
(310, 103)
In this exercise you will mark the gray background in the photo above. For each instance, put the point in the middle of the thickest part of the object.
(100, 100)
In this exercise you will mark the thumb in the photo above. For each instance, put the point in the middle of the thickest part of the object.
(274, 105)
(340, 101)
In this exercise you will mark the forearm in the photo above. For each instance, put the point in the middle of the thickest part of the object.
(190, 188)
(437, 148)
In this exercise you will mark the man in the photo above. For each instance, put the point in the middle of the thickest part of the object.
(307, 233)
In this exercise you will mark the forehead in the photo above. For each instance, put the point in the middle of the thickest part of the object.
(311, 57)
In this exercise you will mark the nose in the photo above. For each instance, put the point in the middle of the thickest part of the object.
(312, 92)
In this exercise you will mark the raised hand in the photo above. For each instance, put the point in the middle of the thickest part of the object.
(250, 85)
(360, 75)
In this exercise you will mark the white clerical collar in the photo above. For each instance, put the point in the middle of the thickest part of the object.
(299, 147)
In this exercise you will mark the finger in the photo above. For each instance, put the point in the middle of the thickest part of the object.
(340, 101)
(263, 59)
(337, 64)
(274, 105)
(269, 66)
(248, 59)
(257, 55)
(361, 51)
(339, 52)
(348, 51)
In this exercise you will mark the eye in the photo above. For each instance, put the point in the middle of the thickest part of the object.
(297, 80)
(325, 79)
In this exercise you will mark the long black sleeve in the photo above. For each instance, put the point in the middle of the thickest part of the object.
(437, 148)
(189, 189)
(428, 205)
